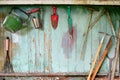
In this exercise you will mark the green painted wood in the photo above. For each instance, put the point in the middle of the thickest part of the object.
(49, 50)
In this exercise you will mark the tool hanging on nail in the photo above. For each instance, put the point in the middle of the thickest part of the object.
(17, 19)
(116, 56)
(69, 19)
(111, 24)
(102, 58)
(54, 18)
(37, 20)
(8, 65)
(96, 57)
(33, 10)
(86, 34)
(110, 66)
(40, 16)
(90, 26)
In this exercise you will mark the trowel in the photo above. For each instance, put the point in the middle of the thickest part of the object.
(54, 18)
(69, 20)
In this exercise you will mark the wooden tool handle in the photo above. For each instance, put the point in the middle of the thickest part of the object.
(102, 58)
(7, 43)
(95, 60)
(116, 56)
(54, 10)
(112, 27)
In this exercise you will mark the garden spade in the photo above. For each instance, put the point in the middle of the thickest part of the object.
(54, 18)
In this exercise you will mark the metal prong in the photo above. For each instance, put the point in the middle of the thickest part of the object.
(108, 34)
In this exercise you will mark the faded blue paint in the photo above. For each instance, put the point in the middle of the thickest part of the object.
(41, 50)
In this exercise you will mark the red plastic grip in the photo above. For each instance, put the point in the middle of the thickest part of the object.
(33, 10)
(54, 10)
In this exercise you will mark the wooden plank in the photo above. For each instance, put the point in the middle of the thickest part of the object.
(42, 51)
(59, 2)
(95, 40)
(81, 20)
(2, 53)
(52, 78)
(20, 51)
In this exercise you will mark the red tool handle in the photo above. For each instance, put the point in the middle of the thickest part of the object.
(54, 10)
(33, 10)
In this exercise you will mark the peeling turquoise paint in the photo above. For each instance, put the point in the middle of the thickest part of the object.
(42, 51)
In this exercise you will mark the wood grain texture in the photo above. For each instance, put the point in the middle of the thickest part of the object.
(2, 53)
(36, 50)
(52, 78)
(64, 2)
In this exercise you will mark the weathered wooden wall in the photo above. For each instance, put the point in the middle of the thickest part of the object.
(52, 51)
(50, 78)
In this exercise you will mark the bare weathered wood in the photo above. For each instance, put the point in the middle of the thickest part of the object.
(95, 60)
(112, 27)
(2, 53)
(105, 52)
(65, 2)
(86, 34)
(116, 56)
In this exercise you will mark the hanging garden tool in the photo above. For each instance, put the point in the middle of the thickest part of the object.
(116, 55)
(7, 66)
(96, 56)
(102, 58)
(69, 20)
(90, 26)
(33, 10)
(54, 18)
(38, 21)
(17, 19)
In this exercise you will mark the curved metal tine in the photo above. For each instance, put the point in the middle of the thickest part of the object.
(110, 65)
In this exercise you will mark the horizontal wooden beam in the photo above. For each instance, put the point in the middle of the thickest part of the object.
(59, 2)
(64, 74)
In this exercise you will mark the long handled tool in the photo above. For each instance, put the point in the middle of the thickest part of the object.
(96, 19)
(54, 18)
(37, 21)
(95, 60)
(86, 34)
(105, 52)
(112, 27)
(116, 56)
(90, 26)
(7, 66)
(110, 66)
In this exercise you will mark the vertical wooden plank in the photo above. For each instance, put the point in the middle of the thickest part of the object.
(88, 51)
(47, 41)
(20, 51)
(42, 51)
(31, 48)
(2, 54)
(82, 24)
(7, 34)
(60, 34)
(41, 40)
(103, 28)
(56, 43)
(95, 35)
